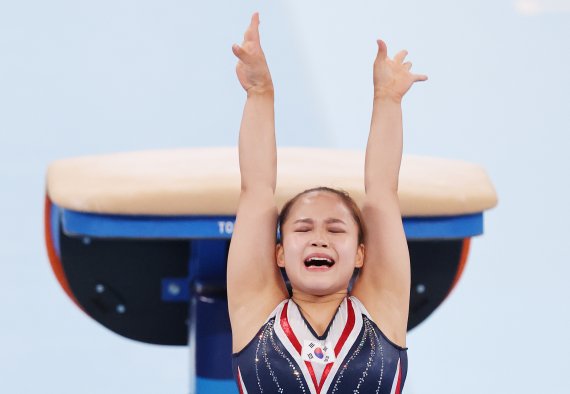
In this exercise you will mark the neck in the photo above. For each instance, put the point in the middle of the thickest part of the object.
(318, 310)
(302, 298)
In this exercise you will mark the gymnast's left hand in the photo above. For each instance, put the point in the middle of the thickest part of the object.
(392, 77)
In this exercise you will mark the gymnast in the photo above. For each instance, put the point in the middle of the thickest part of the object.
(321, 339)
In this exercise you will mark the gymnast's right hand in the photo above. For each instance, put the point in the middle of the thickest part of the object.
(252, 70)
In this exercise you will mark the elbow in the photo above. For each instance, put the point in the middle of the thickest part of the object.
(258, 187)
(258, 192)
(381, 185)
(380, 201)
(386, 191)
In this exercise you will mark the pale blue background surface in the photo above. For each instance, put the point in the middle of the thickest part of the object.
(80, 78)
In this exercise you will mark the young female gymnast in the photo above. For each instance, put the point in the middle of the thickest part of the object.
(322, 339)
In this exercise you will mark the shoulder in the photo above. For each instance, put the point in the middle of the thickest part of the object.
(359, 307)
(278, 309)
(381, 326)
(244, 331)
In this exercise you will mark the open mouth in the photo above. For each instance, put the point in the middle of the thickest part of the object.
(319, 262)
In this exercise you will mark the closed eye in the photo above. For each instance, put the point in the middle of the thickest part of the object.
(302, 230)
(337, 230)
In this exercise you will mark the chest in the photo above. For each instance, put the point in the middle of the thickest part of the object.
(288, 357)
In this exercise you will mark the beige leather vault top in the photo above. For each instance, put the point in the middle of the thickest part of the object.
(206, 181)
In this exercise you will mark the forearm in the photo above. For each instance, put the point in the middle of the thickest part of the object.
(257, 147)
(384, 148)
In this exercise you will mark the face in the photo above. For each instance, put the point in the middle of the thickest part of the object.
(320, 244)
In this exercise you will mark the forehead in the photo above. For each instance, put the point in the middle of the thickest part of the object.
(320, 205)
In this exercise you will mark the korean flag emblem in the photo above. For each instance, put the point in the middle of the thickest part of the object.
(319, 352)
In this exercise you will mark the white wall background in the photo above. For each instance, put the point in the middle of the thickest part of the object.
(89, 77)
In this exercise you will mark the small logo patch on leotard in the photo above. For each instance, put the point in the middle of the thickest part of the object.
(316, 351)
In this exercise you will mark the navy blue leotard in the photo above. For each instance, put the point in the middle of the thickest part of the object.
(352, 355)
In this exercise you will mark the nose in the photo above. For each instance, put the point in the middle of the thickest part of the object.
(320, 243)
(320, 240)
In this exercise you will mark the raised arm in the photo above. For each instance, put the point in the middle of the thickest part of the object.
(384, 281)
(254, 283)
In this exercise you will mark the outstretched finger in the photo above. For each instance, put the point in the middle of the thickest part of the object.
(382, 50)
(420, 77)
(400, 56)
(252, 32)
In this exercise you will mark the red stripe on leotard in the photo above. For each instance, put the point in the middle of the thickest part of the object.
(347, 329)
(399, 386)
(288, 330)
(293, 338)
(239, 382)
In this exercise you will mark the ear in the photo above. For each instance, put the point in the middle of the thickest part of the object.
(359, 256)
(280, 255)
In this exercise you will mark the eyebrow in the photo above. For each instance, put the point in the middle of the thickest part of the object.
(309, 220)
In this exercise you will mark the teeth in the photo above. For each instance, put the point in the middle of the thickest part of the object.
(318, 261)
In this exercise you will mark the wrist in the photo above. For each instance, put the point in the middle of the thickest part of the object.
(387, 97)
(383, 100)
(260, 91)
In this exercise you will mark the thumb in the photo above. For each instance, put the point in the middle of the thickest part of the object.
(382, 49)
(237, 50)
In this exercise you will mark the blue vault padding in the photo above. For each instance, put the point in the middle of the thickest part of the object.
(161, 280)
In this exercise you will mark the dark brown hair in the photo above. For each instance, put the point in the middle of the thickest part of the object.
(344, 196)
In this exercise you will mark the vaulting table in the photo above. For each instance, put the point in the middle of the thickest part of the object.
(139, 240)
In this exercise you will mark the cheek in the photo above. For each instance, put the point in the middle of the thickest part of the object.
(347, 248)
(293, 247)
(298, 239)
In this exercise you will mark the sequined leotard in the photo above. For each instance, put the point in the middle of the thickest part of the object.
(352, 355)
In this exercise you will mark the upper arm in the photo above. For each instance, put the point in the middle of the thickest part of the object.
(254, 283)
(385, 278)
